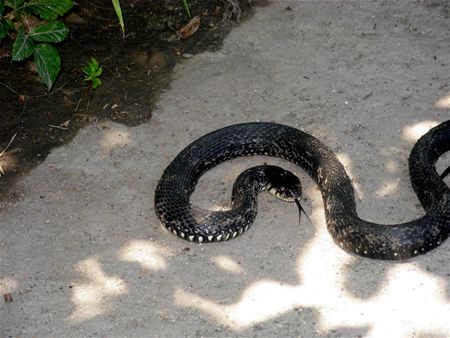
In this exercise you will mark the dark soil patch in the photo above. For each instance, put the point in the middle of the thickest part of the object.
(135, 69)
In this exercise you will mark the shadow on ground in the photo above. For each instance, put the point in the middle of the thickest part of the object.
(136, 69)
(83, 252)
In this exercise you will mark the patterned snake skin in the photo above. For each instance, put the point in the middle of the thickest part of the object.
(351, 233)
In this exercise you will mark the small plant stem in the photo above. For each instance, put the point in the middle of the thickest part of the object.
(10, 142)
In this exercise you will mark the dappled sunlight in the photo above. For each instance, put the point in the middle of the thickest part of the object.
(262, 300)
(388, 188)
(7, 163)
(265, 299)
(321, 270)
(443, 102)
(391, 166)
(421, 302)
(149, 255)
(92, 298)
(218, 207)
(414, 131)
(410, 300)
(113, 139)
(228, 264)
(8, 285)
(347, 162)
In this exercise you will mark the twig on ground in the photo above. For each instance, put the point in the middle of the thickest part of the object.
(8, 87)
(40, 95)
(57, 127)
(54, 91)
(78, 104)
(9, 144)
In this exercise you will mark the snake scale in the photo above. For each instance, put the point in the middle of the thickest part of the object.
(350, 232)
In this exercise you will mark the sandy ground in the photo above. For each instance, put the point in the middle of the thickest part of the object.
(83, 254)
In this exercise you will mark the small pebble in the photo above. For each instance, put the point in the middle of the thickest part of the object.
(8, 297)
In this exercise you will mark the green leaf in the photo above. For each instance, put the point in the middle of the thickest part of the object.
(5, 26)
(88, 70)
(14, 4)
(54, 31)
(94, 64)
(92, 67)
(48, 63)
(96, 82)
(93, 70)
(186, 8)
(49, 9)
(23, 46)
(118, 9)
(98, 72)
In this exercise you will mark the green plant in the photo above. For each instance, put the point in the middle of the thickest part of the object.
(118, 9)
(34, 26)
(92, 72)
(186, 8)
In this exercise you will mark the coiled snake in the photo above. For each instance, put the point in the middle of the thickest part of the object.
(351, 233)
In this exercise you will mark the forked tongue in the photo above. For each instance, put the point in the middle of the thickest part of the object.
(300, 210)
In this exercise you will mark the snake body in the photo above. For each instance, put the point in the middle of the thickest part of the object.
(348, 230)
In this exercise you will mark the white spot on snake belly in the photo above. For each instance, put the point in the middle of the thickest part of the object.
(415, 252)
(365, 252)
(210, 238)
(234, 234)
(226, 237)
(182, 234)
(174, 232)
(200, 239)
(219, 238)
(191, 238)
(246, 228)
(395, 254)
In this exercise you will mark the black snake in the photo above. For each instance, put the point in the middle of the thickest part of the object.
(351, 233)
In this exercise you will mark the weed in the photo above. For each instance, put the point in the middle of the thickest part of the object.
(34, 26)
(92, 72)
(186, 8)
(118, 9)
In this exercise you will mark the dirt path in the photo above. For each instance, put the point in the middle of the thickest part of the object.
(82, 252)
(136, 69)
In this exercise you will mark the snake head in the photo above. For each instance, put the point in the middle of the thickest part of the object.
(282, 183)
